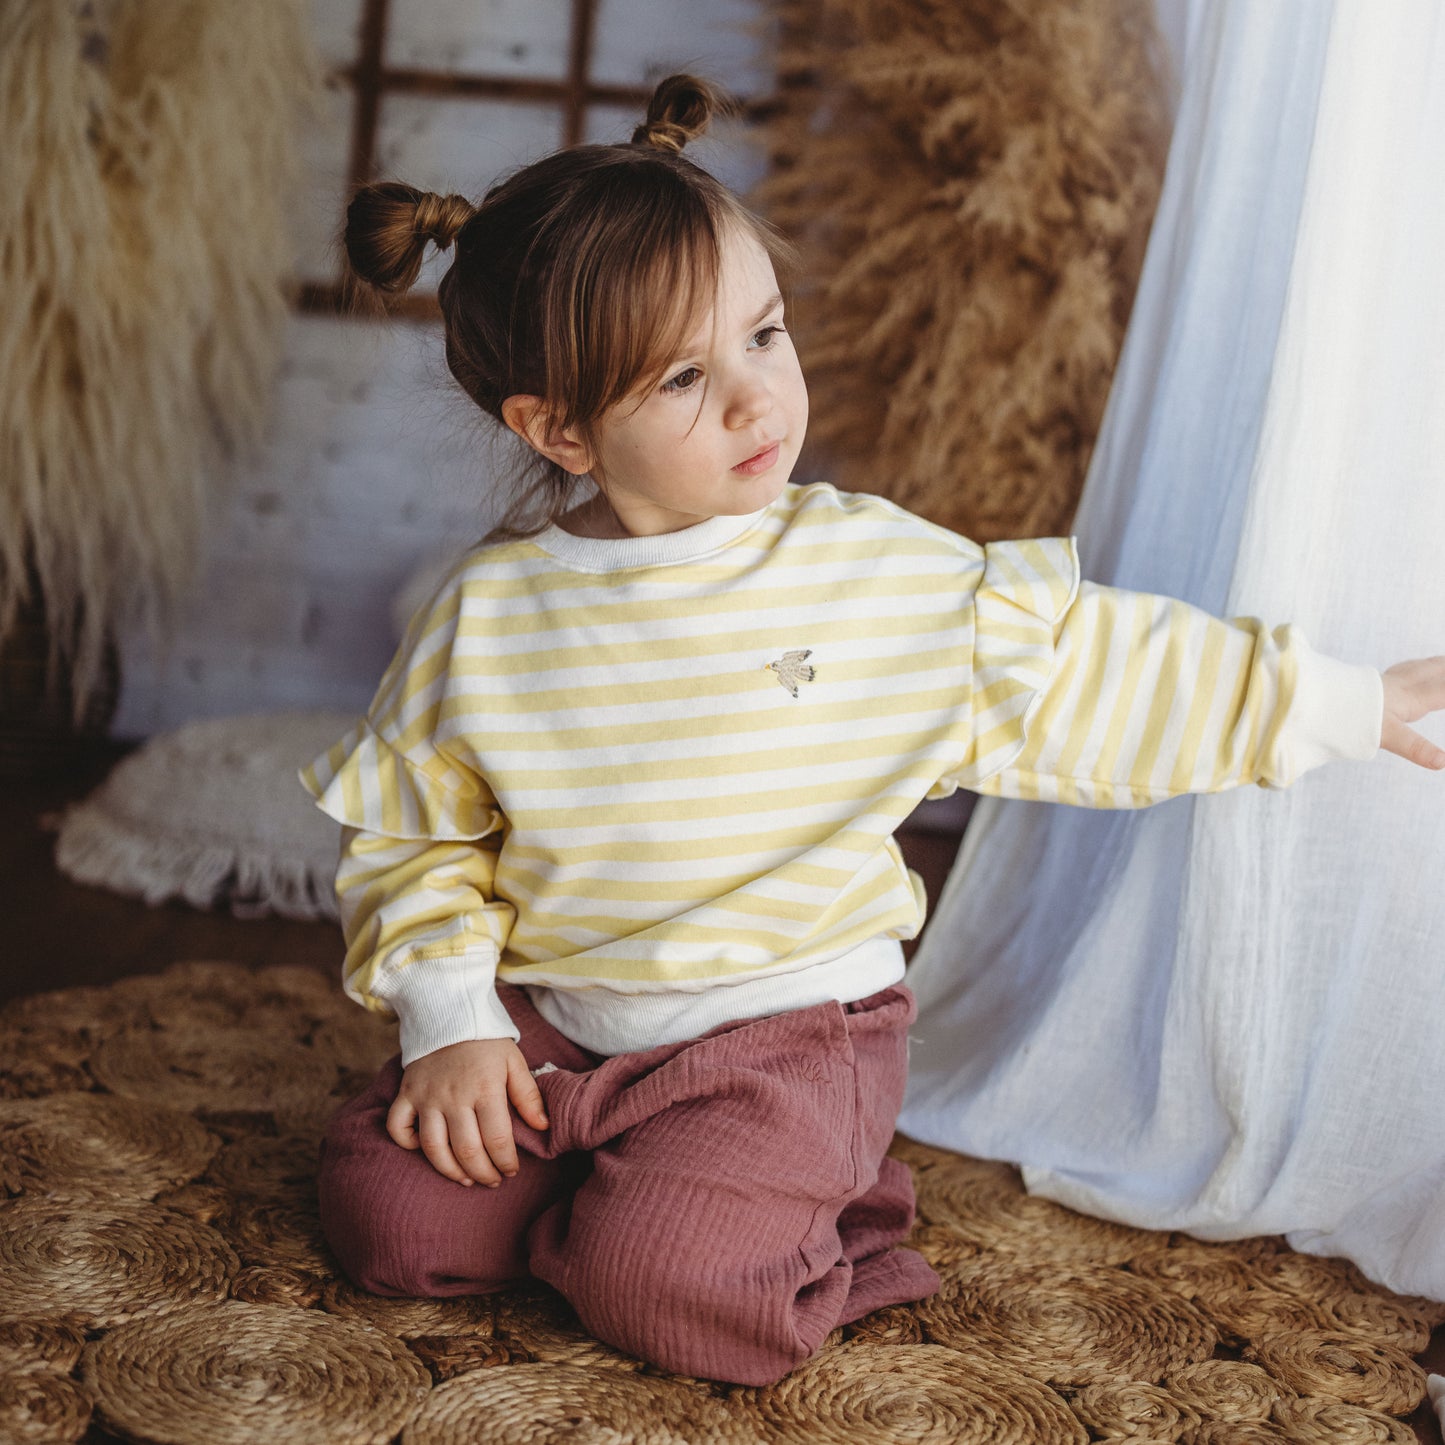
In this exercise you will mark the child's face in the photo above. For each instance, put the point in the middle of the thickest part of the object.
(719, 436)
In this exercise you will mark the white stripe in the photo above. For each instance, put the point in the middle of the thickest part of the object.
(769, 697)
(789, 783)
(734, 747)
(833, 815)
(835, 650)
(682, 870)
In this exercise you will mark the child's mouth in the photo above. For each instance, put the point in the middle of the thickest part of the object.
(759, 463)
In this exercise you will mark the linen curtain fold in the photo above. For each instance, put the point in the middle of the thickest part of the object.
(1214, 1015)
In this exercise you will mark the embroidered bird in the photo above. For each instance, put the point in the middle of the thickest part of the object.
(791, 671)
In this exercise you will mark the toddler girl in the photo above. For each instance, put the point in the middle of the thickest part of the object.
(618, 827)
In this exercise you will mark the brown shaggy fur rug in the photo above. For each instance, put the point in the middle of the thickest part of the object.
(971, 183)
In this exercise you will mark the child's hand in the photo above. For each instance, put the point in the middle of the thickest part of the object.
(452, 1104)
(1413, 689)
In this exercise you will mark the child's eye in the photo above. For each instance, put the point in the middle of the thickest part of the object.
(685, 380)
(766, 336)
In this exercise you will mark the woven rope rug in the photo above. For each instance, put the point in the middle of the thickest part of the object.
(165, 1280)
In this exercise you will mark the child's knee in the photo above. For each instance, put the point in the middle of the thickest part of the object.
(398, 1227)
(680, 1311)
(697, 1323)
(392, 1237)
(362, 1220)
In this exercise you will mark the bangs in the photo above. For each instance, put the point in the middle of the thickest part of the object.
(675, 289)
(643, 249)
(646, 275)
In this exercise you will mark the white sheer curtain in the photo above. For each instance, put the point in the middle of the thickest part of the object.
(1219, 1014)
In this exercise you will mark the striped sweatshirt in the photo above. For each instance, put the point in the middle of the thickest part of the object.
(655, 780)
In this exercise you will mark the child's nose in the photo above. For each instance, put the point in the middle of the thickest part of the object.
(751, 399)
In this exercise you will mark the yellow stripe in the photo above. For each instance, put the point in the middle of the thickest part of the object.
(762, 600)
(564, 949)
(622, 850)
(1242, 707)
(1124, 692)
(1207, 680)
(788, 716)
(890, 750)
(621, 925)
(1254, 713)
(765, 636)
(656, 888)
(1097, 626)
(635, 691)
(1166, 688)
(478, 585)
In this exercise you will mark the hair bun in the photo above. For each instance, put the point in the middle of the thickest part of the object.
(388, 226)
(440, 218)
(679, 112)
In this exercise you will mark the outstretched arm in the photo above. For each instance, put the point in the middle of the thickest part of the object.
(1149, 697)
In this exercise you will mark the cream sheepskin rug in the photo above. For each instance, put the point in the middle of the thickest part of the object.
(212, 813)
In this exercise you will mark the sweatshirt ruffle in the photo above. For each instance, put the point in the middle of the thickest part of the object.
(1027, 588)
(364, 782)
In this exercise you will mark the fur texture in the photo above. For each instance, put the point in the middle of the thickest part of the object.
(144, 254)
(971, 183)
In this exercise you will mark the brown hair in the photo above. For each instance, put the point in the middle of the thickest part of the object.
(576, 279)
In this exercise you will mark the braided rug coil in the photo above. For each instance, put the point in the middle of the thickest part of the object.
(75, 1145)
(39, 1405)
(166, 1280)
(227, 1374)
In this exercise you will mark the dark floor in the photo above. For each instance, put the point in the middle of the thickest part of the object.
(62, 935)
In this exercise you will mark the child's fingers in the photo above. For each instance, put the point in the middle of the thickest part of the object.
(401, 1123)
(496, 1125)
(469, 1147)
(1405, 742)
(431, 1128)
(1415, 688)
(522, 1089)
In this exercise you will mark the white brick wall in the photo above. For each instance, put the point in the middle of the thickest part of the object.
(376, 461)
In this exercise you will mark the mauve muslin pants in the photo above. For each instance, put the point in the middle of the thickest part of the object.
(715, 1206)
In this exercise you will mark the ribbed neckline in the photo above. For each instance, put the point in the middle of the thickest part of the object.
(613, 554)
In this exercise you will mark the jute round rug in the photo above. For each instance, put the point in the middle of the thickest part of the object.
(165, 1280)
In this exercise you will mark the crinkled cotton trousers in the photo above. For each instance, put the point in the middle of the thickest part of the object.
(715, 1206)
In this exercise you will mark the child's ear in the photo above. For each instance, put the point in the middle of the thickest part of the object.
(528, 417)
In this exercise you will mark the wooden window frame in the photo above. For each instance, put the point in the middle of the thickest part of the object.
(371, 79)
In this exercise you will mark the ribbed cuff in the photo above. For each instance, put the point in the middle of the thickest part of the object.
(441, 1001)
(1338, 711)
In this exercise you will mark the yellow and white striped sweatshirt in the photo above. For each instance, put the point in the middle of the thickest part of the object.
(655, 779)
